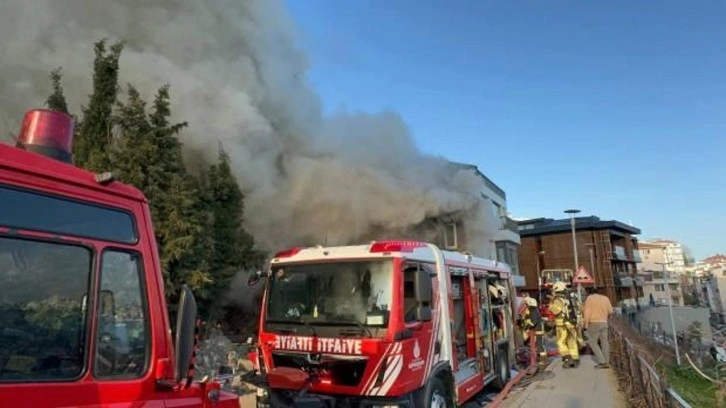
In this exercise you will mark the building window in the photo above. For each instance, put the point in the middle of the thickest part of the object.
(660, 288)
(450, 236)
(513, 262)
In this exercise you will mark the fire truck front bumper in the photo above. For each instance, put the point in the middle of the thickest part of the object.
(285, 399)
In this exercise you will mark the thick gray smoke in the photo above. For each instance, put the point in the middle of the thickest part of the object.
(238, 77)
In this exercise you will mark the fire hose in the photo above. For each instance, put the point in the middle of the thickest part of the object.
(530, 370)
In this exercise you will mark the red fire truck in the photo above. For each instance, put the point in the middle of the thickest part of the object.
(83, 318)
(390, 324)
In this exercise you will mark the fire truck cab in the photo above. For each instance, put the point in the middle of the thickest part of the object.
(83, 317)
(390, 324)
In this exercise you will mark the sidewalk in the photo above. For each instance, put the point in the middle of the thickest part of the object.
(582, 387)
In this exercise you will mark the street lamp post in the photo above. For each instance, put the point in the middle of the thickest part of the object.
(572, 213)
(670, 310)
(539, 277)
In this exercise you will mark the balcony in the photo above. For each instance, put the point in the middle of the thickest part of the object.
(509, 224)
(624, 281)
(619, 254)
(508, 231)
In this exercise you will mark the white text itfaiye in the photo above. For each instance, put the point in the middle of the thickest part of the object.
(319, 345)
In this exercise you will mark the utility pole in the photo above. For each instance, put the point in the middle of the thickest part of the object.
(591, 250)
(670, 310)
(572, 213)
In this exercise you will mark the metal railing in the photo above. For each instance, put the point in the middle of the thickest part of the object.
(640, 381)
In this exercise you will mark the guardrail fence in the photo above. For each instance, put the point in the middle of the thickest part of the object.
(634, 365)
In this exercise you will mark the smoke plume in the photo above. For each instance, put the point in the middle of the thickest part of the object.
(237, 76)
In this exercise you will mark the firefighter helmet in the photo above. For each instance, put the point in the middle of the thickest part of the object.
(559, 287)
(530, 301)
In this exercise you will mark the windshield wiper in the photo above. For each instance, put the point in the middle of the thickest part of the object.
(354, 323)
(301, 321)
(309, 326)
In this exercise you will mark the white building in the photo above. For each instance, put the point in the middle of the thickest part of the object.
(505, 241)
(657, 251)
(654, 289)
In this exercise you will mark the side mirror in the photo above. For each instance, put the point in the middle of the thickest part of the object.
(422, 286)
(423, 313)
(186, 323)
(254, 278)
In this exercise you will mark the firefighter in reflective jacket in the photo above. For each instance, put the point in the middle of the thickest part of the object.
(532, 324)
(565, 326)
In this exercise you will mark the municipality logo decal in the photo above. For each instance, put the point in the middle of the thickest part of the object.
(417, 363)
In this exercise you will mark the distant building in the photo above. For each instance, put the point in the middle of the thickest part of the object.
(658, 256)
(661, 251)
(608, 249)
(710, 280)
(654, 289)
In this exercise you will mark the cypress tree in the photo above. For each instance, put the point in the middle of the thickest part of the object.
(57, 101)
(233, 245)
(94, 133)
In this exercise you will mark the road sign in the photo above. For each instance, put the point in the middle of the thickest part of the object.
(583, 276)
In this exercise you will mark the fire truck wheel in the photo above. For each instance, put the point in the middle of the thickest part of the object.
(502, 369)
(436, 397)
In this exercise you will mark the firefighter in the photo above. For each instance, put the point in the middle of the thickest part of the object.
(531, 323)
(565, 326)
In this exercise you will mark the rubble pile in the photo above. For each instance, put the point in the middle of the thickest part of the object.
(218, 358)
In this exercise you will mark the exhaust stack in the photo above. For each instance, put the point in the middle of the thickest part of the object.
(47, 132)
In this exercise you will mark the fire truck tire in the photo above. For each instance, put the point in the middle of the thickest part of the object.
(502, 369)
(435, 395)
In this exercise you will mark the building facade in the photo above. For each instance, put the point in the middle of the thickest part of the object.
(607, 249)
(504, 242)
(654, 289)
(658, 251)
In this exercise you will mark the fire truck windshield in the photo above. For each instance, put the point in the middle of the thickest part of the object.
(351, 293)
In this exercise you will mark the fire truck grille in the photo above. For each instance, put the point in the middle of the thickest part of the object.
(343, 372)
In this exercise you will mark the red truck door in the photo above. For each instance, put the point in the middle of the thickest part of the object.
(76, 314)
(417, 344)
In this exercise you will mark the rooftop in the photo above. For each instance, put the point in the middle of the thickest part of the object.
(487, 181)
(540, 226)
(662, 241)
(716, 259)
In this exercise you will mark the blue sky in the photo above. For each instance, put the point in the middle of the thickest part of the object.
(613, 107)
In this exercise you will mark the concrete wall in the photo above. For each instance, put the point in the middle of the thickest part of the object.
(683, 317)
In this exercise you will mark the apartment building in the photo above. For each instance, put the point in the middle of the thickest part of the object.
(504, 240)
(655, 291)
(608, 249)
(655, 252)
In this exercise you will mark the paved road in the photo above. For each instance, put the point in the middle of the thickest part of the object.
(583, 387)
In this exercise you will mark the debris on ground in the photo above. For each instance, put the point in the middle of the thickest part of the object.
(218, 358)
